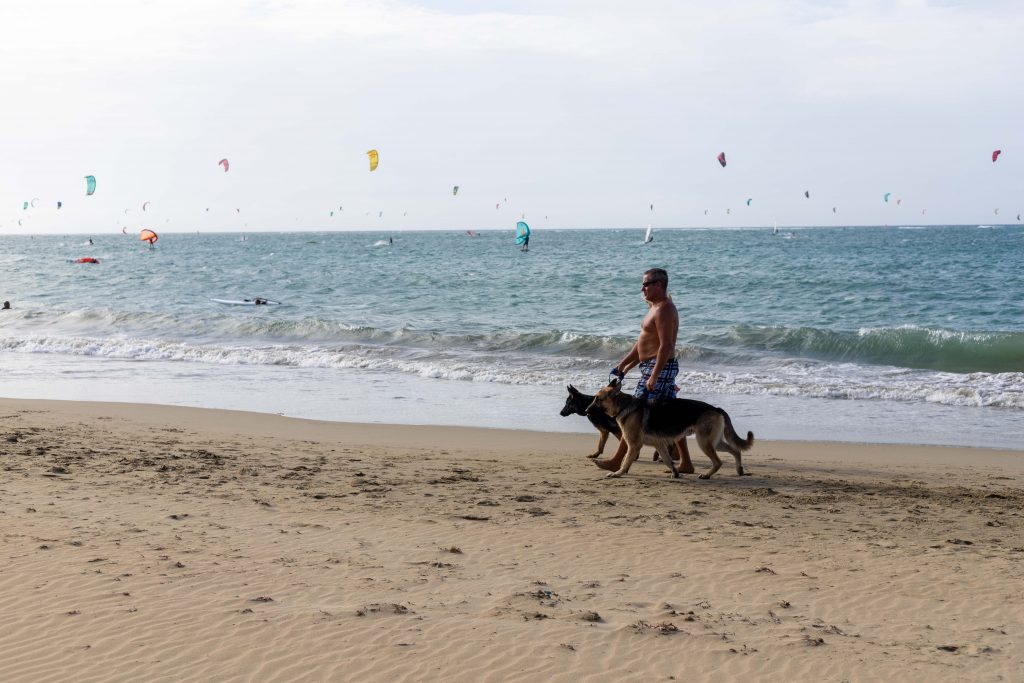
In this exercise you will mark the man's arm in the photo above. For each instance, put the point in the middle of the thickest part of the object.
(630, 361)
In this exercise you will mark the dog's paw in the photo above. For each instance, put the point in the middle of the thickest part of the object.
(593, 455)
(612, 475)
(704, 476)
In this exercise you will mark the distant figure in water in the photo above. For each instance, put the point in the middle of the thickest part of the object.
(90, 240)
(526, 244)
(391, 240)
(260, 302)
(7, 306)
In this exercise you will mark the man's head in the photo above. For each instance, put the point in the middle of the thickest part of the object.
(655, 284)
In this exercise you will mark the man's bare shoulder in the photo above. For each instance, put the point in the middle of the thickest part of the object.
(664, 308)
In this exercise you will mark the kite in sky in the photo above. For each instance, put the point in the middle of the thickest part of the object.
(225, 164)
(90, 184)
(373, 159)
(995, 155)
(455, 190)
(721, 159)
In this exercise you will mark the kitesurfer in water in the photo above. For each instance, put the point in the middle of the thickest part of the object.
(654, 352)
(526, 243)
(7, 306)
(260, 302)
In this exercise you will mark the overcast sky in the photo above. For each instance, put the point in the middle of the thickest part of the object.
(581, 114)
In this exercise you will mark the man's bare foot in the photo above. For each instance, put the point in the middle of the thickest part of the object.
(607, 465)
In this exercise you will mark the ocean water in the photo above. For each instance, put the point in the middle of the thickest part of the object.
(859, 334)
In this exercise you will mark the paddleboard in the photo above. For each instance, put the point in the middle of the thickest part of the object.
(245, 302)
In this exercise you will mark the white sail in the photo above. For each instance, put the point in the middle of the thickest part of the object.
(649, 235)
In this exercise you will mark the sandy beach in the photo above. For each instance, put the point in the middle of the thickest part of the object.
(165, 544)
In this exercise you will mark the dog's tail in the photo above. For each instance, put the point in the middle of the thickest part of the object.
(733, 437)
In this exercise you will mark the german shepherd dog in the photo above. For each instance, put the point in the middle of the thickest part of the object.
(661, 424)
(578, 403)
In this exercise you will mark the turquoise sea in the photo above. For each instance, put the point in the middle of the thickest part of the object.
(895, 334)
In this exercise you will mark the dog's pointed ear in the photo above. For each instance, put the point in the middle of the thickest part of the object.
(572, 390)
(615, 384)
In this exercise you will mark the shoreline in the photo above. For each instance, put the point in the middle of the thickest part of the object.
(402, 434)
(168, 543)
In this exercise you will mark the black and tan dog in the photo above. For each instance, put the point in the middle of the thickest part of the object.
(662, 424)
(577, 404)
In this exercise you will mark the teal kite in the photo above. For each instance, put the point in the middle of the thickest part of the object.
(90, 184)
(522, 233)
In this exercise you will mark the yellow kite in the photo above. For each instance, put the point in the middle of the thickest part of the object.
(373, 159)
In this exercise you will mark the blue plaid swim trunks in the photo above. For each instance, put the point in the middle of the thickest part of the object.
(666, 386)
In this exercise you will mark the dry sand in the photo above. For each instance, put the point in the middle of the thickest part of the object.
(168, 544)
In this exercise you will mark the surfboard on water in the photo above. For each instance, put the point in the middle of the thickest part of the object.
(246, 302)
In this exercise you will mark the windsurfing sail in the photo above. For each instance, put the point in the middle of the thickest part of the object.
(649, 235)
(90, 184)
(522, 232)
(373, 159)
(775, 228)
(225, 164)
(455, 190)
(995, 155)
(148, 235)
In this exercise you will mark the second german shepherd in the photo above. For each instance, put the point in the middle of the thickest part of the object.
(579, 403)
(661, 424)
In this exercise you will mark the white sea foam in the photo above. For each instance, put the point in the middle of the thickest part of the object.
(847, 381)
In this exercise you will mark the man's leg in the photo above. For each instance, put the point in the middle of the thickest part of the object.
(685, 464)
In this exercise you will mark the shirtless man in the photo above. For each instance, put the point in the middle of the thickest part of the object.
(654, 352)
